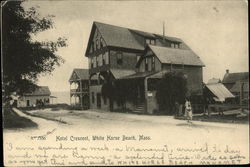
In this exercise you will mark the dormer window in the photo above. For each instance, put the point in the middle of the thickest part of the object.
(150, 41)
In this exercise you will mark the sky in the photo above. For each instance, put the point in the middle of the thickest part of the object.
(217, 31)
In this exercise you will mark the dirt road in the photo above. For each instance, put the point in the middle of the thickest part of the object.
(160, 129)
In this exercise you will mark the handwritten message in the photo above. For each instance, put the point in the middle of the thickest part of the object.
(105, 150)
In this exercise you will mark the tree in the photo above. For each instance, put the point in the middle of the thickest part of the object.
(120, 91)
(24, 59)
(170, 89)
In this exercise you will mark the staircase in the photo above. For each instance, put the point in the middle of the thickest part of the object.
(139, 108)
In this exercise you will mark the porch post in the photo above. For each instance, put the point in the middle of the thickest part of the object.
(146, 95)
(70, 93)
(81, 94)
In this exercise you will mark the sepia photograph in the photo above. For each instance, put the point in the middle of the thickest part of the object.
(124, 83)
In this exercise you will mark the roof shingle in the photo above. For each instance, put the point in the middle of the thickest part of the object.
(176, 56)
(234, 77)
(118, 36)
(220, 91)
(40, 91)
(120, 73)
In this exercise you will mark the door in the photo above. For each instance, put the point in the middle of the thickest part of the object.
(99, 102)
(28, 103)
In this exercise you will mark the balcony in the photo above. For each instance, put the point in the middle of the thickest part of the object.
(104, 67)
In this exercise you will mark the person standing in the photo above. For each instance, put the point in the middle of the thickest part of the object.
(188, 110)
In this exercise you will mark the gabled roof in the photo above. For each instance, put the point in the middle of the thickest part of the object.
(81, 74)
(174, 39)
(118, 36)
(39, 91)
(115, 36)
(237, 87)
(144, 34)
(175, 56)
(220, 91)
(234, 77)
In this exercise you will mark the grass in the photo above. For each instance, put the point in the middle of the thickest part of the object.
(54, 107)
(226, 118)
(44, 117)
(11, 120)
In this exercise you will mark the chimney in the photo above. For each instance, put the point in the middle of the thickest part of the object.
(227, 71)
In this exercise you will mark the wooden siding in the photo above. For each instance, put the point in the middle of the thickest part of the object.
(128, 60)
(157, 64)
(22, 102)
(97, 89)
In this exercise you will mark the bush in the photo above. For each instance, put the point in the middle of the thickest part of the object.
(12, 120)
(170, 89)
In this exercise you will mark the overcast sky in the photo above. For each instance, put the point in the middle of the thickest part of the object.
(215, 30)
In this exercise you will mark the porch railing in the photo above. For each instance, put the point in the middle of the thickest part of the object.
(78, 90)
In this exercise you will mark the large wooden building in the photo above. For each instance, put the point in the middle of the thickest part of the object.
(118, 53)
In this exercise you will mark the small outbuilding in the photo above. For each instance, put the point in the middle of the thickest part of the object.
(218, 92)
(40, 96)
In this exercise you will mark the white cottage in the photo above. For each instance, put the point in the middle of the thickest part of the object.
(40, 95)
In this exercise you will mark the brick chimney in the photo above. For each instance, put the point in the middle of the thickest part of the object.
(227, 71)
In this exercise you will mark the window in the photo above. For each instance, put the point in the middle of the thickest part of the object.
(119, 58)
(176, 45)
(172, 45)
(94, 61)
(146, 64)
(153, 63)
(152, 41)
(103, 59)
(101, 43)
(97, 43)
(100, 60)
(94, 46)
(137, 57)
(93, 97)
(91, 49)
(107, 57)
